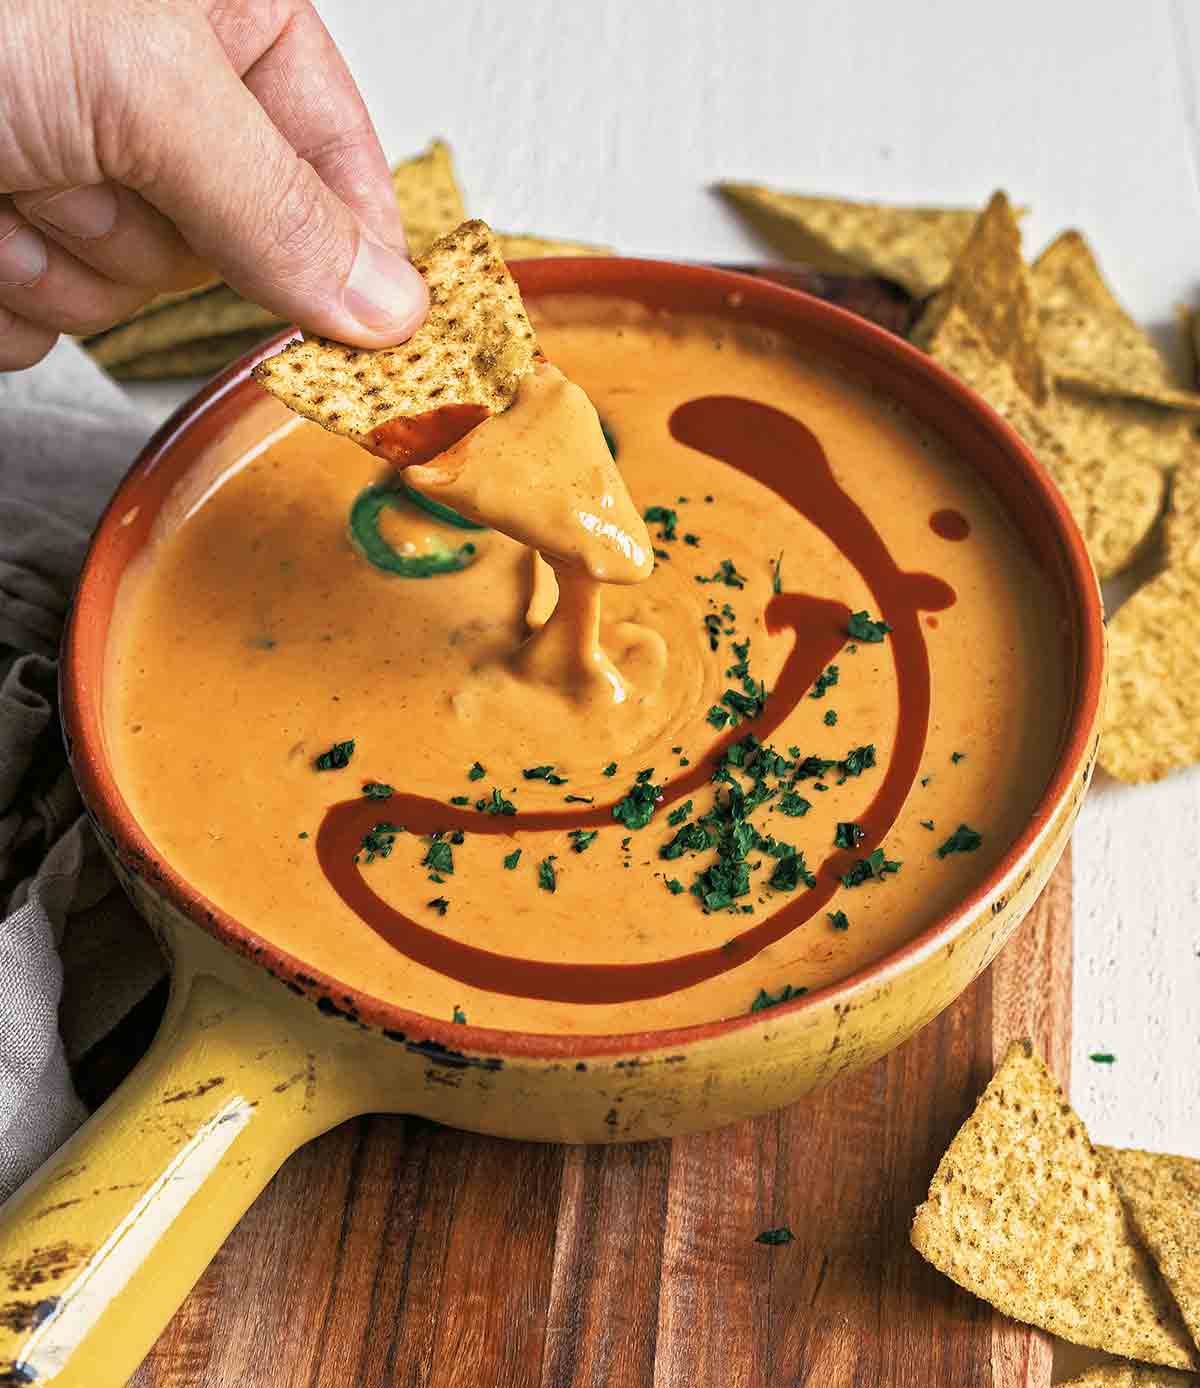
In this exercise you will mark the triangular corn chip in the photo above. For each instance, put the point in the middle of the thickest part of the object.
(1132, 1376)
(913, 246)
(1183, 518)
(215, 313)
(989, 285)
(471, 351)
(1162, 1197)
(1152, 715)
(1022, 1212)
(522, 247)
(1115, 500)
(429, 196)
(1088, 338)
(199, 358)
(1105, 426)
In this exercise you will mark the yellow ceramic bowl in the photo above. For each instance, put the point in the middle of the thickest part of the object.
(259, 1053)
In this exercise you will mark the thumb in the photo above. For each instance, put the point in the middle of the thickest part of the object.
(248, 205)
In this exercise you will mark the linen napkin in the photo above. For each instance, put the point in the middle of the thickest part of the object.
(74, 957)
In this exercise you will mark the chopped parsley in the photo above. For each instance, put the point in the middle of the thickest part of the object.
(693, 540)
(825, 680)
(963, 840)
(674, 886)
(460, 799)
(956, 757)
(664, 516)
(830, 719)
(377, 790)
(440, 856)
(773, 1238)
(544, 773)
(726, 574)
(785, 994)
(777, 576)
(862, 628)
(717, 716)
(927, 824)
(579, 799)
(497, 804)
(848, 835)
(547, 877)
(678, 815)
(610, 769)
(838, 919)
(692, 838)
(337, 757)
(636, 807)
(303, 834)
(793, 804)
(857, 760)
(439, 904)
(874, 867)
(582, 839)
(790, 871)
(477, 772)
(1102, 1057)
(458, 1015)
(512, 859)
(379, 840)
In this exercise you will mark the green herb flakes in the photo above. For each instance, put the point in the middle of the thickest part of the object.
(875, 867)
(497, 804)
(838, 919)
(956, 757)
(547, 877)
(459, 1016)
(337, 757)
(679, 814)
(830, 719)
(794, 805)
(439, 904)
(674, 886)
(512, 859)
(927, 824)
(847, 835)
(825, 680)
(544, 773)
(610, 769)
(582, 839)
(636, 808)
(439, 857)
(774, 1238)
(726, 574)
(785, 994)
(379, 840)
(477, 772)
(963, 840)
(664, 516)
(777, 576)
(377, 790)
(862, 628)
(460, 799)
(1102, 1057)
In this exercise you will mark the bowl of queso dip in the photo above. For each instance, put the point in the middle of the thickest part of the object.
(451, 833)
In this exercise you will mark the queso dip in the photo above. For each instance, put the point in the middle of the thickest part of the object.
(819, 721)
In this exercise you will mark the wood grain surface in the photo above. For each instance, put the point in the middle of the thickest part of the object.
(394, 1252)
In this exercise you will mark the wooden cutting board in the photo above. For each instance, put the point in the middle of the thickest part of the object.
(394, 1252)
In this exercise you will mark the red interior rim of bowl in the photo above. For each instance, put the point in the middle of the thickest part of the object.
(929, 391)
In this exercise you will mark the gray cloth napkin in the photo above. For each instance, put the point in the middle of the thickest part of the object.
(73, 955)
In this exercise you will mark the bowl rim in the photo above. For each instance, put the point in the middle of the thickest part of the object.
(613, 277)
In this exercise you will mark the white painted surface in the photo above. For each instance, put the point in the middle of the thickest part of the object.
(607, 122)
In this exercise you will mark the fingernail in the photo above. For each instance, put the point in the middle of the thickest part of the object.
(22, 256)
(88, 211)
(383, 290)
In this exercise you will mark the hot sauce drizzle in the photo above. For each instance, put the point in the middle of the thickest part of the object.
(780, 452)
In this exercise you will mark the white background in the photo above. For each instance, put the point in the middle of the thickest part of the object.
(608, 122)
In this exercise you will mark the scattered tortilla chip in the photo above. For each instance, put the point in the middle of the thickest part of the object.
(914, 246)
(1189, 334)
(215, 313)
(1183, 517)
(989, 284)
(1162, 1197)
(1115, 500)
(521, 247)
(173, 296)
(1100, 426)
(430, 199)
(1022, 1212)
(1088, 338)
(473, 349)
(202, 357)
(1132, 1376)
(1152, 717)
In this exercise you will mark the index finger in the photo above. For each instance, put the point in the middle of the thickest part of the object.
(288, 60)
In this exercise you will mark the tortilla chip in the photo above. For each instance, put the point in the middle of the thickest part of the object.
(430, 199)
(473, 349)
(1189, 332)
(989, 284)
(1152, 717)
(521, 247)
(1115, 500)
(1099, 426)
(1088, 338)
(1132, 1376)
(173, 296)
(199, 358)
(215, 313)
(1183, 517)
(914, 246)
(1022, 1212)
(1162, 1197)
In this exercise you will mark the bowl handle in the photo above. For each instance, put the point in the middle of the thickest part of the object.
(100, 1246)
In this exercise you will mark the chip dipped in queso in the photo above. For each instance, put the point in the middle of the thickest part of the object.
(699, 677)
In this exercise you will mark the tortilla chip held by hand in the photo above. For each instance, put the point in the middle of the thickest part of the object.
(464, 363)
(1022, 1212)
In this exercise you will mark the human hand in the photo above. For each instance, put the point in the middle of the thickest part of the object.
(147, 144)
